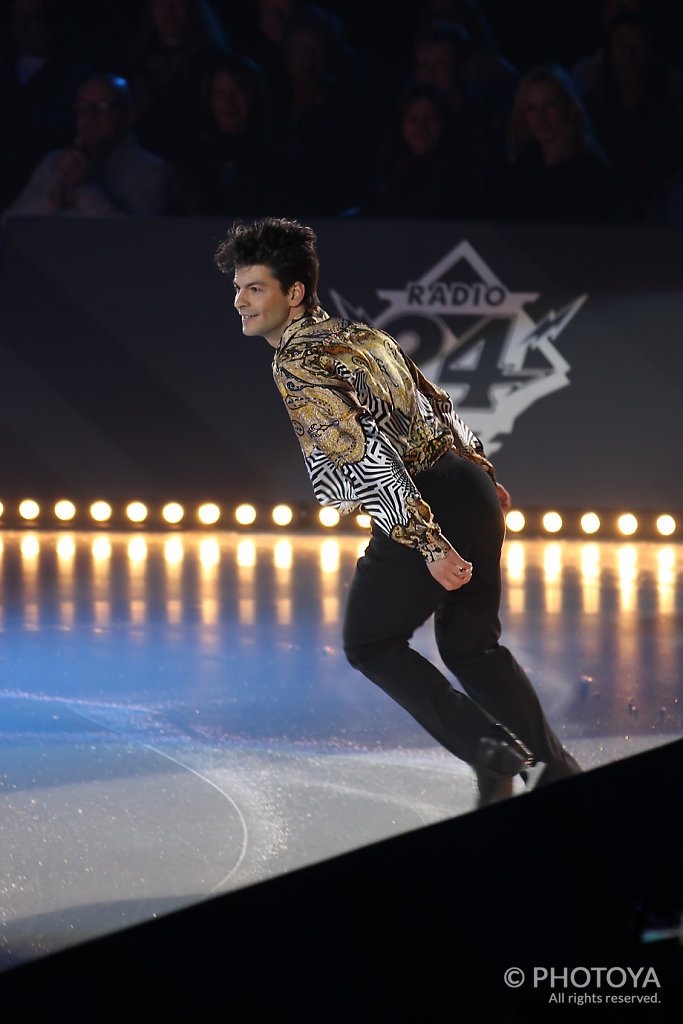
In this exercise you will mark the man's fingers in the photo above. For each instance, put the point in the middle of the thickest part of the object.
(459, 577)
(457, 583)
(451, 572)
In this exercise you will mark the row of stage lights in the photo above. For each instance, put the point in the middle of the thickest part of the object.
(137, 513)
(173, 514)
(627, 525)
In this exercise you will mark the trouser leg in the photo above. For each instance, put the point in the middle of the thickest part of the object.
(499, 684)
(391, 595)
(467, 625)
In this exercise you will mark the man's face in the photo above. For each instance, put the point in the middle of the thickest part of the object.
(171, 18)
(101, 116)
(421, 127)
(435, 65)
(229, 104)
(273, 18)
(264, 308)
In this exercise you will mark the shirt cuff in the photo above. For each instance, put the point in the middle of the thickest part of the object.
(421, 532)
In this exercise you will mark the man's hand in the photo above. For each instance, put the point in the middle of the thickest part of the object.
(504, 499)
(452, 572)
(72, 171)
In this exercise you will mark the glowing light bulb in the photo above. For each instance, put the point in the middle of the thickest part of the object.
(282, 515)
(245, 514)
(209, 514)
(590, 523)
(136, 512)
(364, 521)
(65, 510)
(628, 524)
(173, 512)
(552, 522)
(29, 509)
(666, 525)
(100, 511)
(515, 521)
(329, 516)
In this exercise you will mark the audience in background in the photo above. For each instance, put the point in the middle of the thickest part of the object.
(104, 172)
(323, 110)
(636, 105)
(588, 70)
(267, 38)
(445, 56)
(424, 171)
(485, 68)
(556, 170)
(40, 71)
(228, 168)
(166, 64)
(322, 121)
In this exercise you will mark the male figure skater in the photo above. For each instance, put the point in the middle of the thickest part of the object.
(376, 435)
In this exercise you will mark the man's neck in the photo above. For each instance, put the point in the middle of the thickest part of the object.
(298, 313)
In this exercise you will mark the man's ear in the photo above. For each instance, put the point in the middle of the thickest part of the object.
(297, 293)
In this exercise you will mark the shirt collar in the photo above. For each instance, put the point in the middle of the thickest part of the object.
(309, 319)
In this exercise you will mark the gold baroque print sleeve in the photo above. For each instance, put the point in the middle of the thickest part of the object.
(350, 461)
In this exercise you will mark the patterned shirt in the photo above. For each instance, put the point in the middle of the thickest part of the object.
(368, 422)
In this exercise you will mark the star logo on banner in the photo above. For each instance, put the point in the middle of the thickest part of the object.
(475, 339)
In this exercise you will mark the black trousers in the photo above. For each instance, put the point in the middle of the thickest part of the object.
(393, 593)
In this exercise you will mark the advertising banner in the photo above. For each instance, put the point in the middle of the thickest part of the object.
(125, 372)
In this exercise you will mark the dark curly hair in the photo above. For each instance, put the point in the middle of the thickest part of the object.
(286, 247)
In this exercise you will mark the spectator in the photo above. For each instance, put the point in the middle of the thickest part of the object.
(441, 52)
(228, 169)
(39, 76)
(636, 105)
(557, 170)
(320, 110)
(104, 173)
(586, 73)
(445, 56)
(273, 18)
(167, 63)
(485, 67)
(424, 171)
